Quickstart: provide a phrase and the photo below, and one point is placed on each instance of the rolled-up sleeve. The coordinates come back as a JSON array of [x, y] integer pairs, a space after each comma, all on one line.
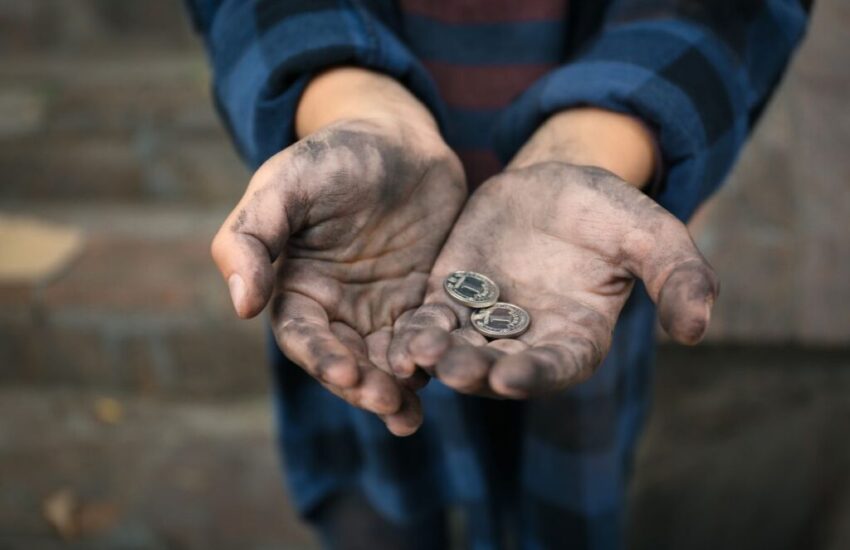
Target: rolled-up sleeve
[[263, 53], [698, 73]]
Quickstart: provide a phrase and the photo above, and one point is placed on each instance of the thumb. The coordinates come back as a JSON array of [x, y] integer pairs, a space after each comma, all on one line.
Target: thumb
[[678, 278], [250, 240]]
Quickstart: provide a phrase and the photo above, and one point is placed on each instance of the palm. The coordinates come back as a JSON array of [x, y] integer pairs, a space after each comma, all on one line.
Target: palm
[[353, 217], [368, 244], [566, 244]]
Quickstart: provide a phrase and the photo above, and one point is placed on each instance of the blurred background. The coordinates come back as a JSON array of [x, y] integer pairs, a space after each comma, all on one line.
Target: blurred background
[[134, 408]]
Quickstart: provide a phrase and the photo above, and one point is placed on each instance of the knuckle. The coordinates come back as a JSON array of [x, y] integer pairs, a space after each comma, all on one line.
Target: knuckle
[[297, 329]]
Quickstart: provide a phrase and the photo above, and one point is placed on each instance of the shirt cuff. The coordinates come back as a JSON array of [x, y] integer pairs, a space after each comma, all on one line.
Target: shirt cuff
[[675, 76], [261, 73]]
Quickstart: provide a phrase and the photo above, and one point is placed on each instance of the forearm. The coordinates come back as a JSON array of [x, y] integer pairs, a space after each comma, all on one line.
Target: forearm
[[588, 136], [356, 93]]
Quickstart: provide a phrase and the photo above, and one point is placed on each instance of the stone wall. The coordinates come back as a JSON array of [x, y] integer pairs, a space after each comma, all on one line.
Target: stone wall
[[779, 231]]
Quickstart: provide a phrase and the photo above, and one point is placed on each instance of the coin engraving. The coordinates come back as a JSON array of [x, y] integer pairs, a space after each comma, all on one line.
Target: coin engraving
[[501, 320], [472, 289]]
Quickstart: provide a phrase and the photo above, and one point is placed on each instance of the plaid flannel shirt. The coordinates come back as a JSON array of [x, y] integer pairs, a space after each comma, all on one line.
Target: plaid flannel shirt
[[554, 470]]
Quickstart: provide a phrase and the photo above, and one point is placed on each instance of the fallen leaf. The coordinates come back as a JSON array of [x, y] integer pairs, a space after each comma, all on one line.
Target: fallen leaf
[[108, 410], [33, 250], [59, 509]]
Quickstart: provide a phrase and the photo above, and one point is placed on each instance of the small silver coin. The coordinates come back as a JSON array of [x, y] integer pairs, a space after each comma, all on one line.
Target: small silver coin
[[472, 289], [501, 320]]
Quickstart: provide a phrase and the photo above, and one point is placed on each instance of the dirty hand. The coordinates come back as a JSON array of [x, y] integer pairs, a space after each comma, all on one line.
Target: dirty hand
[[566, 243], [339, 232]]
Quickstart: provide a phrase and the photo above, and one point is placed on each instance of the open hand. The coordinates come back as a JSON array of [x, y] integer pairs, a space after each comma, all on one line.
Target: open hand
[[340, 231], [566, 243]]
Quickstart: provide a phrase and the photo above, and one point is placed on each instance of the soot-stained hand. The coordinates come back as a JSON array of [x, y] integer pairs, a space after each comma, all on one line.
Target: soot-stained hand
[[567, 244], [339, 233]]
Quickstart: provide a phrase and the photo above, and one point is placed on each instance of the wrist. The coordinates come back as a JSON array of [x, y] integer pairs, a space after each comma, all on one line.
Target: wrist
[[353, 93], [588, 136]]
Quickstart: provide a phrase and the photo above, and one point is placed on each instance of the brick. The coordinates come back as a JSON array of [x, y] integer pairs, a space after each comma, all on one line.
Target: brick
[[86, 25], [22, 112], [119, 93], [76, 168], [219, 360], [165, 20], [208, 170], [133, 162], [137, 276], [235, 365], [142, 309]]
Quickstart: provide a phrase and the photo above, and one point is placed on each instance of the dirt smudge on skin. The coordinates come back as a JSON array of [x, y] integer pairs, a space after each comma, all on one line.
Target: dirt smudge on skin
[[685, 301]]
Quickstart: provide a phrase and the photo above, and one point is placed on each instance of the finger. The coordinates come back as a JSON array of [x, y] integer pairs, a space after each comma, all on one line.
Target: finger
[[377, 345], [685, 301], [408, 418], [468, 335], [428, 345], [677, 277], [251, 238], [466, 368], [434, 319], [303, 332], [544, 369], [378, 392]]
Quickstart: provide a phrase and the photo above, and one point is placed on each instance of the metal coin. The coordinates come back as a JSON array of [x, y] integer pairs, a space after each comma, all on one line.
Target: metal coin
[[472, 289], [501, 320]]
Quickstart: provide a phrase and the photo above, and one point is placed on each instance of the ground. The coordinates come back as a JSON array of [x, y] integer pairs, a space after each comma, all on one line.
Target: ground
[[746, 448]]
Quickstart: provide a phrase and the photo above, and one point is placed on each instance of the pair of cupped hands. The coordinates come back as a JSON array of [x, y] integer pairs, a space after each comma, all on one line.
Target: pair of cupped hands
[[349, 233]]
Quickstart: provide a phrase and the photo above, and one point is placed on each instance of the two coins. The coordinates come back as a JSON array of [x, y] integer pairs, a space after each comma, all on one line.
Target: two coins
[[491, 318]]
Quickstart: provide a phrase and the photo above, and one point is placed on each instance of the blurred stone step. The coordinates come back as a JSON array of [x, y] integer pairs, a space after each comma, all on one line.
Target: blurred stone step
[[89, 471], [145, 166], [746, 449], [113, 91], [92, 25], [140, 307], [136, 126]]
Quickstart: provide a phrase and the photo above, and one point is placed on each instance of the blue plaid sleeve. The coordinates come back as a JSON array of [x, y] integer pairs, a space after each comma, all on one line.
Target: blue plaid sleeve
[[698, 73], [263, 53]]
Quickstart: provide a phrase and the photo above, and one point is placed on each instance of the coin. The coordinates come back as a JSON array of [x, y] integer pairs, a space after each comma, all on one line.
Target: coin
[[501, 320], [472, 289]]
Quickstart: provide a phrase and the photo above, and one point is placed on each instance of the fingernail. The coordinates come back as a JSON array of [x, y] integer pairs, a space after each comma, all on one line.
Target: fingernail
[[237, 291]]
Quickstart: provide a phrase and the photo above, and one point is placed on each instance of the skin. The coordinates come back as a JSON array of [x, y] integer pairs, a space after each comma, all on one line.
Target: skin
[[341, 231], [566, 241], [338, 233]]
